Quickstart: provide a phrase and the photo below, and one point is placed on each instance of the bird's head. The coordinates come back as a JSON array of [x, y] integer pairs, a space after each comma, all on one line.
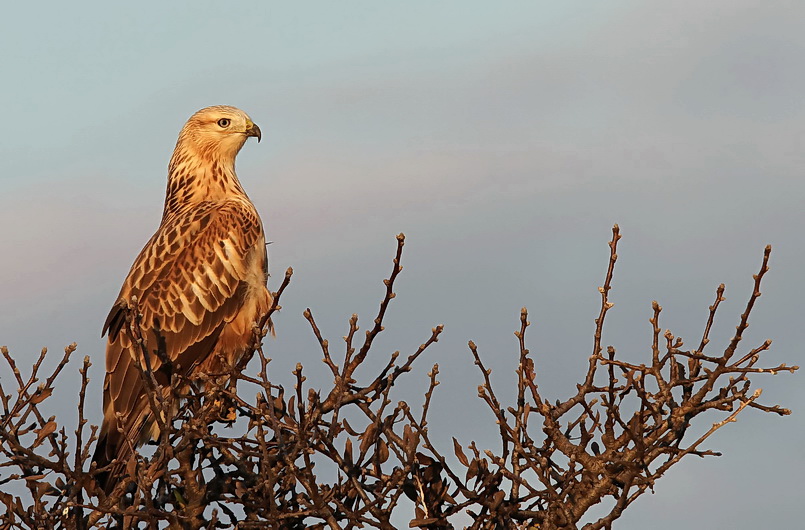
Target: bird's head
[[217, 132]]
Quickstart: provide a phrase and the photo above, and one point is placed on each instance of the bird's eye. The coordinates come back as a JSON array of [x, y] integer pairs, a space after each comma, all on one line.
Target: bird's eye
[[224, 122]]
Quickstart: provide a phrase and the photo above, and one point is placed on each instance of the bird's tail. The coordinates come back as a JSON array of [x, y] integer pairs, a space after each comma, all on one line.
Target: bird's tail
[[112, 446], [115, 447]]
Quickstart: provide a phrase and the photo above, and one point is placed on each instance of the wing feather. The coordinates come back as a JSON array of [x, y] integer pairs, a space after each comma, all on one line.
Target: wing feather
[[214, 253], [190, 280]]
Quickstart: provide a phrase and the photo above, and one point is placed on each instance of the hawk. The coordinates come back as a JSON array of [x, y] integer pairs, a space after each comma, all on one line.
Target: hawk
[[199, 284]]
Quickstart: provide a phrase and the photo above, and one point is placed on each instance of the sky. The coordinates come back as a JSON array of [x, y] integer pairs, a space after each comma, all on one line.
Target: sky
[[504, 139]]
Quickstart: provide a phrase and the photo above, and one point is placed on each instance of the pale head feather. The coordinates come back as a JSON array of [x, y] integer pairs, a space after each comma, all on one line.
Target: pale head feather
[[203, 164], [217, 132]]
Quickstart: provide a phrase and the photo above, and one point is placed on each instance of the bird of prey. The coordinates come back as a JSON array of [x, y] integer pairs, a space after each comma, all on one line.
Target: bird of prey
[[199, 284]]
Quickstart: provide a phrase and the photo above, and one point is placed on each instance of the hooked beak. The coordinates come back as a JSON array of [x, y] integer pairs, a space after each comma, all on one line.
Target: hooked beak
[[253, 130]]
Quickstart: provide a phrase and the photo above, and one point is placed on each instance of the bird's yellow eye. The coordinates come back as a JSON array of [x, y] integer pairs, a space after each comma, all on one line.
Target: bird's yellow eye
[[224, 123]]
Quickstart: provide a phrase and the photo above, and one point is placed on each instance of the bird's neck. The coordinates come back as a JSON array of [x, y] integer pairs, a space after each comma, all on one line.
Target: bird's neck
[[194, 178]]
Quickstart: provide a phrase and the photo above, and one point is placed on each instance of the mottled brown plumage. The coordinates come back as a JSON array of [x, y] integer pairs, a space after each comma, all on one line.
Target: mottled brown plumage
[[199, 282]]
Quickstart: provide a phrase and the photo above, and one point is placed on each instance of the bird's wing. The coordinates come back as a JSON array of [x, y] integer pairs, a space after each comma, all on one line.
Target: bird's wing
[[190, 280]]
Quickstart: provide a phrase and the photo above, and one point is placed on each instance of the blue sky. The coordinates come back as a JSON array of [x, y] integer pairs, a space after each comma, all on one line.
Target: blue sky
[[504, 140]]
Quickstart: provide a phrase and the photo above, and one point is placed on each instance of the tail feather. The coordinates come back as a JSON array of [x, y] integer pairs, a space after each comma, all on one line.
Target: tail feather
[[111, 447], [114, 446]]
